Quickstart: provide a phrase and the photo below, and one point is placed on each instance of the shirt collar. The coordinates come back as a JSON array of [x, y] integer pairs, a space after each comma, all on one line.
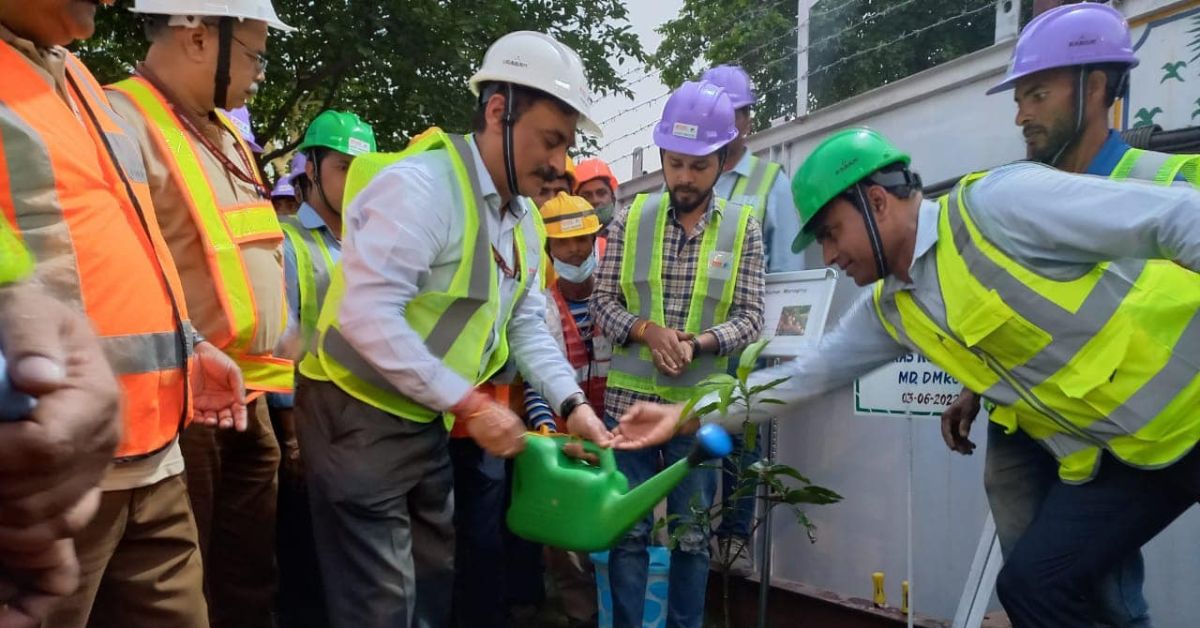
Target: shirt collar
[[1110, 154], [487, 187], [927, 230], [309, 218], [743, 165]]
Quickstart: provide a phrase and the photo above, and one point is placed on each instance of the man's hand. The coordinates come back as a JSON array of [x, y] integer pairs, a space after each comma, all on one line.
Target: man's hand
[[218, 398], [32, 582], [957, 420], [649, 424], [584, 423], [51, 462], [493, 426], [291, 465], [669, 347]]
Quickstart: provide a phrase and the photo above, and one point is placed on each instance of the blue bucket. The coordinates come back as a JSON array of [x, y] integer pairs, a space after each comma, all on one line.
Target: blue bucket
[[655, 613]]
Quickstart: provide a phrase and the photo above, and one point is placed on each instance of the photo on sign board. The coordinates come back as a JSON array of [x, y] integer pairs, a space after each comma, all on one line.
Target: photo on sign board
[[793, 320]]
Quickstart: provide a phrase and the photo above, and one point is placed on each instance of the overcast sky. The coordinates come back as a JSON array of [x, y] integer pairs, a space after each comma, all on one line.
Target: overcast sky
[[645, 17]]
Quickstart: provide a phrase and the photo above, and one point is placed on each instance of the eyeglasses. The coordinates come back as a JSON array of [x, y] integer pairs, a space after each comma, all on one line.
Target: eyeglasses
[[259, 57]]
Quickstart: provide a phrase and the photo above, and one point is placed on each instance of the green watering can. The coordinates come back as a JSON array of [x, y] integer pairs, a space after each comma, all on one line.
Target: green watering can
[[564, 502]]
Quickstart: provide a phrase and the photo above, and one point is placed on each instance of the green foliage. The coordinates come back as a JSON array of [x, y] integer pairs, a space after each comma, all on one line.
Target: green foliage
[[402, 65], [855, 45]]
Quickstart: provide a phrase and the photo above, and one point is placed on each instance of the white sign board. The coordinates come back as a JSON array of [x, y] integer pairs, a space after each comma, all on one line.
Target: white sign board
[[1165, 87], [797, 305], [911, 385]]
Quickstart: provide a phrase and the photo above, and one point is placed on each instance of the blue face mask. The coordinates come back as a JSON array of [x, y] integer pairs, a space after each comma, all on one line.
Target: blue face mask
[[576, 274]]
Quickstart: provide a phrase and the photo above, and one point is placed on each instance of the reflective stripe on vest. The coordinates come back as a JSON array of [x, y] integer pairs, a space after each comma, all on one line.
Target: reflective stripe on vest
[[72, 182], [223, 229], [15, 261], [456, 325], [1104, 361], [313, 265], [1161, 168], [641, 280], [762, 177]]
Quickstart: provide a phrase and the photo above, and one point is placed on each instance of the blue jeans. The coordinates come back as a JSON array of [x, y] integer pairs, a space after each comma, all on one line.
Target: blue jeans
[[629, 563], [1019, 475], [735, 521]]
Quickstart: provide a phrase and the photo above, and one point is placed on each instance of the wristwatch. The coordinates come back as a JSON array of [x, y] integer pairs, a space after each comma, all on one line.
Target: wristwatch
[[696, 348], [568, 406]]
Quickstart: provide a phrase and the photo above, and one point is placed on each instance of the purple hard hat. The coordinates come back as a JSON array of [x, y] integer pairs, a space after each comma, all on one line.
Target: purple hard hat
[[283, 187], [697, 120], [299, 162], [1070, 35], [240, 118], [736, 83]]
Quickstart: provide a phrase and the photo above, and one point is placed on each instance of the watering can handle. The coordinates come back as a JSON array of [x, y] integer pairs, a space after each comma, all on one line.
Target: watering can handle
[[608, 461]]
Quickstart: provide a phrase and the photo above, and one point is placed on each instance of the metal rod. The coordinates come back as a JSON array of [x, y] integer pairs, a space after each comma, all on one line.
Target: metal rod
[[764, 566]]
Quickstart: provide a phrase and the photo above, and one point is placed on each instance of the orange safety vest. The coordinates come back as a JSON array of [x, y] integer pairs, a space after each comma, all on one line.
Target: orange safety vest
[[74, 186], [223, 230]]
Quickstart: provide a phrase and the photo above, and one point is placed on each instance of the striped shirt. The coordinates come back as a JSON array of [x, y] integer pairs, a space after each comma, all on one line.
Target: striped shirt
[[681, 253], [537, 410]]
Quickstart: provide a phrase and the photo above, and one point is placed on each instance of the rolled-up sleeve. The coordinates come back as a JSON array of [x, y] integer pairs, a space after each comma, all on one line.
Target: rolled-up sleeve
[[745, 320], [392, 240]]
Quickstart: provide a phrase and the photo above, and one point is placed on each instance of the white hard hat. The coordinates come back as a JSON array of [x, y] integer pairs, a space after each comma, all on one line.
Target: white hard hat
[[260, 10], [543, 63]]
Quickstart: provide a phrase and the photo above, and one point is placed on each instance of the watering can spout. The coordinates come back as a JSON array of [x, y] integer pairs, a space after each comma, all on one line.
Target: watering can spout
[[711, 442], [562, 502]]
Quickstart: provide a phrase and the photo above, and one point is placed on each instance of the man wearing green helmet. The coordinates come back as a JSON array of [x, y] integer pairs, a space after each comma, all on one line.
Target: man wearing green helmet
[[1048, 293], [313, 244]]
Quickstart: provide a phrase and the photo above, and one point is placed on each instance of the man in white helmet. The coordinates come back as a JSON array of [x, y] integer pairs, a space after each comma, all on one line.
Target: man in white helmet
[[217, 220], [437, 289]]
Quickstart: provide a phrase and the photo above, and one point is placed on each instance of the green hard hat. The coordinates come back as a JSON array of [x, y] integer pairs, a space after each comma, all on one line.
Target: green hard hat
[[340, 131], [840, 161]]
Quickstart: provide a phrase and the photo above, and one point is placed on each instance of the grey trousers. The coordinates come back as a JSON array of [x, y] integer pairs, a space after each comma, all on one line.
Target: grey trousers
[[381, 493]]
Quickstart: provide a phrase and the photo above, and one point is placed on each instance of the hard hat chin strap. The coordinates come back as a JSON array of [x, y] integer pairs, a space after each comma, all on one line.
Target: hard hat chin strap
[[1075, 135], [224, 46], [864, 208], [508, 121]]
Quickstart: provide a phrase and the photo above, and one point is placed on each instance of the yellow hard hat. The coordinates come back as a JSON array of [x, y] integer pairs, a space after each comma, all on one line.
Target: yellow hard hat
[[424, 134], [569, 172], [569, 217]]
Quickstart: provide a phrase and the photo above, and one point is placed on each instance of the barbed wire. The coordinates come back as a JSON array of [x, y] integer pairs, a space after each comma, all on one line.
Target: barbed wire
[[987, 4]]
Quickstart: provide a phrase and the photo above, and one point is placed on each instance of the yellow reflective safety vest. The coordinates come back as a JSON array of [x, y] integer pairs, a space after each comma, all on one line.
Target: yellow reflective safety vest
[[1102, 362], [754, 190], [15, 261], [641, 281], [456, 324], [314, 263], [223, 230]]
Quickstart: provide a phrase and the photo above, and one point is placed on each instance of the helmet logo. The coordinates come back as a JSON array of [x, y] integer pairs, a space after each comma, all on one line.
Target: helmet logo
[[358, 147], [686, 131], [846, 165], [517, 63], [1082, 42]]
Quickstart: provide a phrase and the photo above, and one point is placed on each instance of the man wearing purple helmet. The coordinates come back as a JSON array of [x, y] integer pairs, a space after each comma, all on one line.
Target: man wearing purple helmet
[[679, 290], [1068, 68]]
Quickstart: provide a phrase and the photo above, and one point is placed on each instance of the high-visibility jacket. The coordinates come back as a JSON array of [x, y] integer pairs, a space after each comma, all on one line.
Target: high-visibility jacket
[[1099, 363], [457, 324], [74, 187], [314, 263], [591, 367], [223, 231], [641, 273], [754, 190]]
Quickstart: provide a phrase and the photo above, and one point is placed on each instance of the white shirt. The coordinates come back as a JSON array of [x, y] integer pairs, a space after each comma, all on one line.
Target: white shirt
[[1055, 223], [403, 236]]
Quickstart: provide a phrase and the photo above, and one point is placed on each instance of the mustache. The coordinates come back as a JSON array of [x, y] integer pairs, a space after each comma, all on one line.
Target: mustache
[[547, 173], [1032, 129]]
